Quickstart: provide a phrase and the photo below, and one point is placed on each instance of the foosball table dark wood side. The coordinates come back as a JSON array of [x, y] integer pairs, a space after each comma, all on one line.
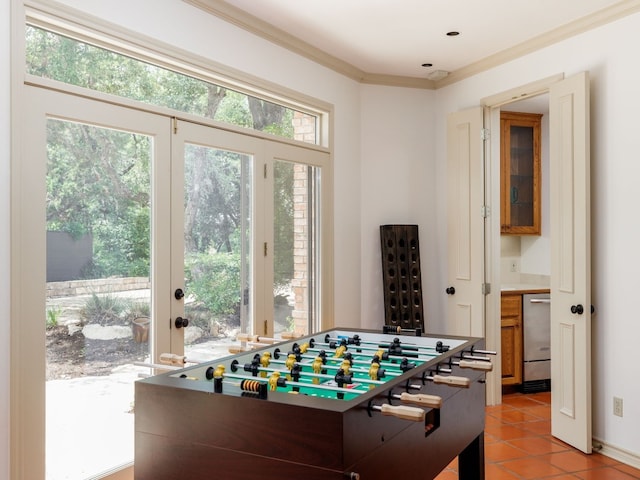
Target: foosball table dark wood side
[[184, 430]]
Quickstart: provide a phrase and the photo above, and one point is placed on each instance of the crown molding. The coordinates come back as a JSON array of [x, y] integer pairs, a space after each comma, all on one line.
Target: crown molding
[[584, 24], [275, 35], [250, 23]]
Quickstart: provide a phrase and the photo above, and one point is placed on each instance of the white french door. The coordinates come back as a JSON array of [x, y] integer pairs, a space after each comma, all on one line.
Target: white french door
[[91, 174], [167, 223], [215, 234]]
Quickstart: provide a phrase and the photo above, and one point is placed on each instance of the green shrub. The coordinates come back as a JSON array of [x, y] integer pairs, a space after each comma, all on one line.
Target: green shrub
[[105, 309], [213, 279], [53, 313]]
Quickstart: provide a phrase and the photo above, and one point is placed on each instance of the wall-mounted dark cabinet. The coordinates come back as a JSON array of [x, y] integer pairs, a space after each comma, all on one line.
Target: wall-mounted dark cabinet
[[520, 173]]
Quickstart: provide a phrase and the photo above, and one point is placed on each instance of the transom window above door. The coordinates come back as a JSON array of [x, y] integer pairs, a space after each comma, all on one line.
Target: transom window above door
[[61, 58]]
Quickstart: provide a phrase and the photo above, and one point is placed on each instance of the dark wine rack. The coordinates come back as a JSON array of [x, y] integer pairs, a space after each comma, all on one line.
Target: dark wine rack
[[401, 276]]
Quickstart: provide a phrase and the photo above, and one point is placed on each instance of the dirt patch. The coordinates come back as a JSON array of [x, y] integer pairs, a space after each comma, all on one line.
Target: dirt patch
[[74, 355]]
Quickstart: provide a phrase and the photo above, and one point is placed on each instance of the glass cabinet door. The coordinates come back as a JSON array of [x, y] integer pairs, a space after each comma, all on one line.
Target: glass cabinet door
[[520, 173]]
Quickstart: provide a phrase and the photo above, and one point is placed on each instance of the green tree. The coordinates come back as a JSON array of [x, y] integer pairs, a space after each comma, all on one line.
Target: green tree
[[98, 179]]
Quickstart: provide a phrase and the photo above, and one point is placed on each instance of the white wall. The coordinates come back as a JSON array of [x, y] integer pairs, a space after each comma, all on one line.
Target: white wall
[[4, 235], [608, 53], [396, 184]]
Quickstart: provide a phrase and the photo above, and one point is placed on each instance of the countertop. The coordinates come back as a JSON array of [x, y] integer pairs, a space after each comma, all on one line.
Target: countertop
[[520, 288]]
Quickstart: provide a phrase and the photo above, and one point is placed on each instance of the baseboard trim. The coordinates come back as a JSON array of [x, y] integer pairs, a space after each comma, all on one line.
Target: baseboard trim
[[625, 456]]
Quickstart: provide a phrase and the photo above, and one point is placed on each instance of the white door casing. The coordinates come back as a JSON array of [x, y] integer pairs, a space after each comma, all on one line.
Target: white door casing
[[570, 262], [465, 200]]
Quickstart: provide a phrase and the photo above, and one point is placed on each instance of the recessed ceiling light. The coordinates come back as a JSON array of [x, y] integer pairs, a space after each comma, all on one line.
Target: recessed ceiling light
[[453, 34], [427, 64]]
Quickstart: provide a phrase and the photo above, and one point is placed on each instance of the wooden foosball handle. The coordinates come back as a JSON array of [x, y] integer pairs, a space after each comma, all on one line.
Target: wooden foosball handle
[[476, 365], [406, 413], [172, 359], [451, 380], [238, 349], [245, 337], [431, 401]]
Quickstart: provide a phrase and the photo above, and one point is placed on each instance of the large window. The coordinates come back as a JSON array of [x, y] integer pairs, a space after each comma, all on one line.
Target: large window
[[54, 56], [152, 221]]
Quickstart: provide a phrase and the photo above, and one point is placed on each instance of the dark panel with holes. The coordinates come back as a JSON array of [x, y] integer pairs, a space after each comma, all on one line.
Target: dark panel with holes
[[401, 276]]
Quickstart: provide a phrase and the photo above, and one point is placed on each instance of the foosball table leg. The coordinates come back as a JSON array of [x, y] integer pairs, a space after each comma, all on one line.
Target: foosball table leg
[[471, 460]]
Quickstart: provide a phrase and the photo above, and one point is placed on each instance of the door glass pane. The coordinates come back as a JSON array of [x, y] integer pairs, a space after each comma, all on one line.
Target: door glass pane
[[217, 253], [98, 294], [295, 247]]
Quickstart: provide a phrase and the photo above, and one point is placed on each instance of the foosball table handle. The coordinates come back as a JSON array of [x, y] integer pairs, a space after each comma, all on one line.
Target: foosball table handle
[[402, 411], [422, 399], [172, 359], [239, 349], [451, 380], [476, 365]]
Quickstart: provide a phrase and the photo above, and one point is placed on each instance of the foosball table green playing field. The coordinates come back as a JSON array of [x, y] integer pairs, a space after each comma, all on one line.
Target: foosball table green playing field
[[354, 404]]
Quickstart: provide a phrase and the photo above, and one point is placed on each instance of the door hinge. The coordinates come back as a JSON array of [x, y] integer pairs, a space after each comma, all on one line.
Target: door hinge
[[485, 133], [485, 211], [265, 328], [486, 288], [175, 125], [265, 249], [265, 170]]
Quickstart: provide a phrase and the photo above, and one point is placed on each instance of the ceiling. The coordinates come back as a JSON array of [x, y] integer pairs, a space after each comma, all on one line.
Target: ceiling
[[387, 41]]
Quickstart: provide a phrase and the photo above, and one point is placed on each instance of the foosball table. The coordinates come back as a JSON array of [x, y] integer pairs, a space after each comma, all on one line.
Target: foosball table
[[340, 404]]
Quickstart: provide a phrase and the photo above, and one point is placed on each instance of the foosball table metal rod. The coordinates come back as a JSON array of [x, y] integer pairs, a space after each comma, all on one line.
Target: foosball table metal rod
[[398, 355], [388, 329], [439, 347], [382, 372], [348, 355], [284, 383], [482, 352], [252, 368], [158, 366]]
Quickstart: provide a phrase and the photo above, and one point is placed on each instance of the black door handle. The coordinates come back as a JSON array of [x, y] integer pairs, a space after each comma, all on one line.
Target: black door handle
[[450, 290], [577, 309], [181, 322], [179, 293]]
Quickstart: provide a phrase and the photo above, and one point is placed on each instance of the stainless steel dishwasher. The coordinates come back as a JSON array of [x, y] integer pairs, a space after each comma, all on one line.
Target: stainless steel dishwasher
[[536, 320]]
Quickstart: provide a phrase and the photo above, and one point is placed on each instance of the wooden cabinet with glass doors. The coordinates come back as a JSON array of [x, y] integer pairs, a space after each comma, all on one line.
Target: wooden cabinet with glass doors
[[520, 173]]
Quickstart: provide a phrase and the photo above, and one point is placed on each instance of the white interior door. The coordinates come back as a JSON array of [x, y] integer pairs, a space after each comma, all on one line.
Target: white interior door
[[570, 262], [465, 199]]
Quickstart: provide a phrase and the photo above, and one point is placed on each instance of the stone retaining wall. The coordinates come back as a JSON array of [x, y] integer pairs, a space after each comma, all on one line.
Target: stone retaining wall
[[100, 285]]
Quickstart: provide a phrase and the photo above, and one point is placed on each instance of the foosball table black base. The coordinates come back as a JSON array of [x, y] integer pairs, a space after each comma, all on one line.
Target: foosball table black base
[[193, 433]]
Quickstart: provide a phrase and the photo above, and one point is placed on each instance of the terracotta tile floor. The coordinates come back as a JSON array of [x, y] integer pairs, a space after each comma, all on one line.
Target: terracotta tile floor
[[518, 445]]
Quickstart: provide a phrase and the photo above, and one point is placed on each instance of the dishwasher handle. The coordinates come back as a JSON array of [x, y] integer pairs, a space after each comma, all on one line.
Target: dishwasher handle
[[540, 300]]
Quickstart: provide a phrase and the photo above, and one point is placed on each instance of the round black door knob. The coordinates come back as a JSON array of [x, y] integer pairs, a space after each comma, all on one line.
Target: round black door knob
[[450, 290], [181, 322], [179, 293], [577, 309]]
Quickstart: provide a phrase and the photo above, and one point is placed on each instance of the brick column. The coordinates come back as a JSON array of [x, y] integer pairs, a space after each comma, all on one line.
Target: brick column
[[305, 131]]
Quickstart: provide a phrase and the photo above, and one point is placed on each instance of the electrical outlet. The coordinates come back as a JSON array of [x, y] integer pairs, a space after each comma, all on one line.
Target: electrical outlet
[[617, 406], [514, 266]]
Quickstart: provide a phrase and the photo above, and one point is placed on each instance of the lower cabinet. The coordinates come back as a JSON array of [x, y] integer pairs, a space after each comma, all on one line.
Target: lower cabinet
[[511, 330]]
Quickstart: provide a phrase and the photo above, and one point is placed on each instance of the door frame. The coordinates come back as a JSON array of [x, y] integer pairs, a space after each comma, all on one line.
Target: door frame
[[492, 248], [491, 107]]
